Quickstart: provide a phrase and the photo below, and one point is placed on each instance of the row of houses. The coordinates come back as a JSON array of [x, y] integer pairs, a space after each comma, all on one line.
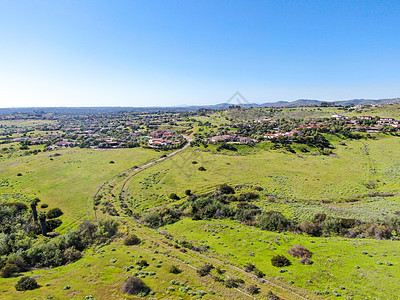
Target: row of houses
[[230, 138], [288, 134], [162, 143]]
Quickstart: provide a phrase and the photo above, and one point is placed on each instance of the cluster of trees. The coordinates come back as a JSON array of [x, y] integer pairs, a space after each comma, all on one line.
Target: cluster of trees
[[21, 249], [223, 203]]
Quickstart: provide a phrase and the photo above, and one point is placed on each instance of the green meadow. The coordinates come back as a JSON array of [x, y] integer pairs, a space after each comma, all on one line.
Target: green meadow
[[68, 181], [286, 177], [353, 268]]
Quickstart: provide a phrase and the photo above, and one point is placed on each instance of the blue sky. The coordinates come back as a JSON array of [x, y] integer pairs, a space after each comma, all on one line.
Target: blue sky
[[149, 53]]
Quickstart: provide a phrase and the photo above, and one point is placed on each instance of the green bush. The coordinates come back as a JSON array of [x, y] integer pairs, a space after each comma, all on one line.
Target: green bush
[[205, 270], [54, 213], [132, 239], [135, 286], [175, 269], [273, 221], [8, 270], [231, 283], [280, 261], [226, 189], [173, 196], [26, 283], [253, 289], [71, 254]]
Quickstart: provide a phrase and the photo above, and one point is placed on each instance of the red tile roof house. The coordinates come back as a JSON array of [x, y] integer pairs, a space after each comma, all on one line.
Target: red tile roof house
[[230, 138], [384, 121], [287, 134], [160, 142], [339, 117], [161, 133], [246, 140], [223, 138]]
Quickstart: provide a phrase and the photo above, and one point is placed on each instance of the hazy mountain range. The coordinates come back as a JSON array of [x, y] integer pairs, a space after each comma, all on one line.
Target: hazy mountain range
[[111, 109]]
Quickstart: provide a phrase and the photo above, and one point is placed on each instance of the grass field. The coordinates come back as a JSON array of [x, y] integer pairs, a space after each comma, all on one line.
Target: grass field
[[290, 177], [68, 181], [350, 267], [101, 274]]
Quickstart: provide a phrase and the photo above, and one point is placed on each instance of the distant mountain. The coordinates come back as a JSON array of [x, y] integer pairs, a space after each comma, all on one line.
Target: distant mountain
[[115, 109], [307, 102]]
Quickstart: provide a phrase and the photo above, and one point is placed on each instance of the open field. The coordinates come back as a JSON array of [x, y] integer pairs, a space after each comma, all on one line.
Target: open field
[[68, 181], [290, 177], [350, 267]]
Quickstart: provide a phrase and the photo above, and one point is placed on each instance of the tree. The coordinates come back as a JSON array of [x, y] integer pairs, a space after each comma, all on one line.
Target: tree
[[131, 239], [54, 213], [280, 261], [174, 196], [135, 286], [26, 283], [33, 203], [42, 220]]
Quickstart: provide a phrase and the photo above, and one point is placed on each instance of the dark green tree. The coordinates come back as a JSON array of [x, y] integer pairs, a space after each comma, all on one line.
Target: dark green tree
[[33, 203], [43, 226]]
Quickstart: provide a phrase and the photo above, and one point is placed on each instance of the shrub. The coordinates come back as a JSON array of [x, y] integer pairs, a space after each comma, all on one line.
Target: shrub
[[258, 273], [231, 283], [54, 213], [248, 196], [8, 270], [173, 196], [272, 296], [71, 254], [252, 289], [379, 232], [131, 239], [175, 269], [112, 162], [300, 251], [107, 229], [135, 286], [19, 262], [159, 217], [142, 263], [205, 270], [280, 261], [319, 218], [312, 229], [188, 192], [249, 267], [53, 224], [202, 169], [44, 205], [226, 189], [273, 221], [26, 283], [306, 261], [19, 174]]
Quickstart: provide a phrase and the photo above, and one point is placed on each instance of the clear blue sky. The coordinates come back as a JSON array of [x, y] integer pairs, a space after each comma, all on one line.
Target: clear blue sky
[[147, 53]]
